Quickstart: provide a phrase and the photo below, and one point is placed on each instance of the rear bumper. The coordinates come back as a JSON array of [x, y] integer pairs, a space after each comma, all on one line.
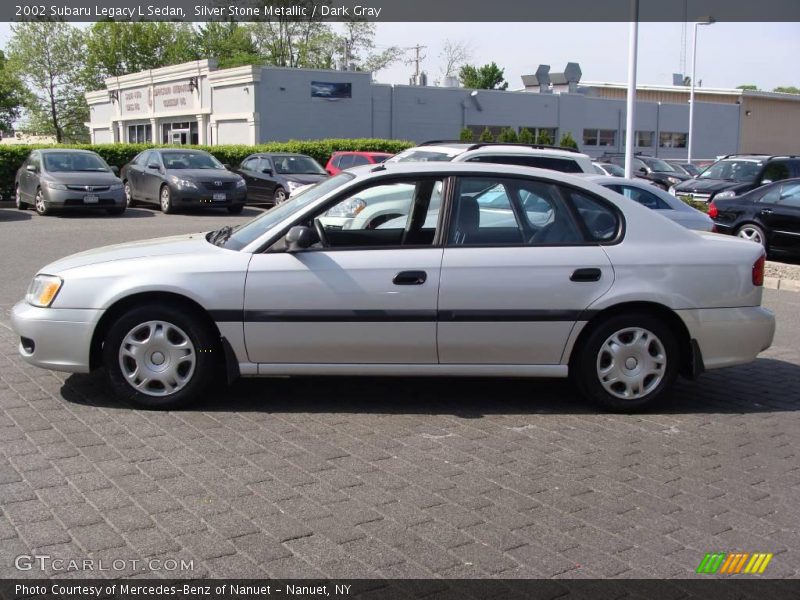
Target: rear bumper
[[729, 336], [55, 338]]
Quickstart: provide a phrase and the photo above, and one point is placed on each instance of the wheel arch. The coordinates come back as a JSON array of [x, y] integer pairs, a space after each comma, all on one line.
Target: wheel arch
[[122, 305], [690, 359]]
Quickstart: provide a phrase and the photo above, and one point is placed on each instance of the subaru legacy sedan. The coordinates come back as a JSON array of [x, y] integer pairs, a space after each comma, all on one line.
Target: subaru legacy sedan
[[555, 277], [174, 178]]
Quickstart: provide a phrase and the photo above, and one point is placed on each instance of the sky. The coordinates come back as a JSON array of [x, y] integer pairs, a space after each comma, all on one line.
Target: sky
[[728, 54]]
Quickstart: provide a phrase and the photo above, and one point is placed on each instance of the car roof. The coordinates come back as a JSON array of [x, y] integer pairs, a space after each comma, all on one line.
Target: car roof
[[181, 150], [455, 168], [269, 154], [361, 152], [457, 148], [65, 150]]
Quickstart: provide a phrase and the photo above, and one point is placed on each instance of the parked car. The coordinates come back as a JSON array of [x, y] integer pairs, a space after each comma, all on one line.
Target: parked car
[[606, 168], [273, 177], [566, 160], [660, 172], [654, 198], [60, 179], [595, 287], [688, 168], [344, 159], [737, 174], [769, 215], [175, 178]]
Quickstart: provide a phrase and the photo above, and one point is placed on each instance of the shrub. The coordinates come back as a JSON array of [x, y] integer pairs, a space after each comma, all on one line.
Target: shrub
[[466, 135], [701, 206], [12, 156], [508, 135], [544, 139], [486, 135], [526, 136], [567, 141]]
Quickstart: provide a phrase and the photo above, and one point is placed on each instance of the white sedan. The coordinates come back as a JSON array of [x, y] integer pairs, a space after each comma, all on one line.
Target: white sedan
[[491, 270]]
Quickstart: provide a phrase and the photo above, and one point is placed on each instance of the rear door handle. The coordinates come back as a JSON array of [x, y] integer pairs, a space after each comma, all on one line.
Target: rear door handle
[[586, 275], [410, 278], [766, 211]]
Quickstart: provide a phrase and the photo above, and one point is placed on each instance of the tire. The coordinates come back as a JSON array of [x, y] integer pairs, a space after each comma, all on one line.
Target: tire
[[279, 196], [165, 200], [236, 209], [129, 201], [40, 205], [116, 211], [187, 351], [752, 232], [18, 200], [645, 368]]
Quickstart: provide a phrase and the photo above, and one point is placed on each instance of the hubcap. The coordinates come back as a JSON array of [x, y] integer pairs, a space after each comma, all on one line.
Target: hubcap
[[748, 233], [631, 363], [280, 196], [157, 358]]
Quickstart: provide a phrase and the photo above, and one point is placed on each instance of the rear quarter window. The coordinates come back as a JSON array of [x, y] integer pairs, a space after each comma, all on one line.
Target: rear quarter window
[[602, 222]]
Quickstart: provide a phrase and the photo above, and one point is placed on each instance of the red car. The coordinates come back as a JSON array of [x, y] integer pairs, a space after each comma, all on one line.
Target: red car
[[339, 161]]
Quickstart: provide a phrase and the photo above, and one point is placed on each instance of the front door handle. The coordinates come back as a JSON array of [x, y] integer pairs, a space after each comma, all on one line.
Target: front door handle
[[410, 278], [766, 211], [585, 275]]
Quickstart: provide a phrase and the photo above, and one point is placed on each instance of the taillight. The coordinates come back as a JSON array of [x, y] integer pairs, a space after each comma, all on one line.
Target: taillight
[[712, 210], [758, 271], [714, 228]]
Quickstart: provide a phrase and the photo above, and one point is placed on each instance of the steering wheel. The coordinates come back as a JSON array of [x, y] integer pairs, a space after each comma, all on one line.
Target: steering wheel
[[323, 239]]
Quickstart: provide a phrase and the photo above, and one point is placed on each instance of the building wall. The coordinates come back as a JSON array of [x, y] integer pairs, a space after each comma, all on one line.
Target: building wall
[[772, 125]]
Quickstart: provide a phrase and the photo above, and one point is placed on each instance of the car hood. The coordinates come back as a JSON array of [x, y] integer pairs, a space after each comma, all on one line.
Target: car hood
[[304, 178], [84, 178], [708, 185], [674, 174], [204, 174], [193, 244]]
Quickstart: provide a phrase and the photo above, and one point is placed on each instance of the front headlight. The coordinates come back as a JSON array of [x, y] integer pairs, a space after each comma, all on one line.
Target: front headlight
[[184, 183], [293, 185], [240, 184], [43, 290], [115, 186], [55, 186], [348, 209], [725, 194], [673, 180]]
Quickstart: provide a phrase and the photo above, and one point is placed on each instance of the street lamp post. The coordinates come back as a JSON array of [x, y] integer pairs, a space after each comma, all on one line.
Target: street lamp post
[[707, 21], [630, 120]]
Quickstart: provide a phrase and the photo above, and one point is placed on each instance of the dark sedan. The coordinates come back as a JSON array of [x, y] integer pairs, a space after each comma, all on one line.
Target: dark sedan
[[174, 178], [273, 177], [769, 215], [660, 172]]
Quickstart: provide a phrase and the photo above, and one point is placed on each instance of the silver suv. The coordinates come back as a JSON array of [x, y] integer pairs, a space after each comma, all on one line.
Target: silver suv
[[554, 158]]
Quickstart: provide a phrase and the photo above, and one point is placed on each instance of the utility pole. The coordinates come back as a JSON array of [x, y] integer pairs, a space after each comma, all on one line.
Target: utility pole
[[418, 58]]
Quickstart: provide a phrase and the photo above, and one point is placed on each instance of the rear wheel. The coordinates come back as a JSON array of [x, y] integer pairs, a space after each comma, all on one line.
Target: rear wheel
[[40, 205], [627, 363], [165, 200], [160, 357], [18, 200], [752, 232]]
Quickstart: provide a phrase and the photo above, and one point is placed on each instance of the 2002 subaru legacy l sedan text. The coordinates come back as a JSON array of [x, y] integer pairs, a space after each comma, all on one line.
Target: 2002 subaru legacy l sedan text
[[555, 277]]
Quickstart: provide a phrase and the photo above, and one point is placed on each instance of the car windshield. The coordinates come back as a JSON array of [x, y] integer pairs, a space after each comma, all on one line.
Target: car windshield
[[659, 165], [297, 165], [732, 170], [63, 162], [424, 156], [250, 231], [190, 160]]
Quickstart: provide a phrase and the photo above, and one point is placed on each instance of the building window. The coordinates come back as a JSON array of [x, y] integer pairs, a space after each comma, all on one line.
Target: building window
[[599, 137], [140, 134], [672, 139], [644, 139], [327, 89]]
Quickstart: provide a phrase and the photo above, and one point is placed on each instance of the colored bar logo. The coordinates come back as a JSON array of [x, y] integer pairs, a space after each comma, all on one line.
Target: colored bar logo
[[733, 563]]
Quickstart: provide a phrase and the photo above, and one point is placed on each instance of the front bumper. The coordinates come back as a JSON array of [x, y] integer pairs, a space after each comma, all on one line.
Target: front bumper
[[67, 199], [730, 336], [61, 337], [203, 197]]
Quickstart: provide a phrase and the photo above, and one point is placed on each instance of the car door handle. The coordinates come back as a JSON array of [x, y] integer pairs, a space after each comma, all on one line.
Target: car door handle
[[586, 275], [766, 211], [410, 278]]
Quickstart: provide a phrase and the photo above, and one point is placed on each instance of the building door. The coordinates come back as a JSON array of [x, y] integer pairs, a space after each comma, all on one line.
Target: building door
[[180, 137]]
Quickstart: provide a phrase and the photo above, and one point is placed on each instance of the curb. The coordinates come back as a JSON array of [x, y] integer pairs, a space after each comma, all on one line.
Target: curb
[[783, 284]]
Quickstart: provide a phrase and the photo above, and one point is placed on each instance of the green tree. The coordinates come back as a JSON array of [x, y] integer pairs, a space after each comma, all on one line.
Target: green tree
[[787, 89], [567, 141], [487, 77], [48, 58], [466, 135], [230, 43], [544, 138], [508, 135], [526, 136], [486, 135], [12, 95], [747, 87], [114, 48]]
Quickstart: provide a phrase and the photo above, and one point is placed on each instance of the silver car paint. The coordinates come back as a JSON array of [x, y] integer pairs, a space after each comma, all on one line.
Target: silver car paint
[[706, 278]]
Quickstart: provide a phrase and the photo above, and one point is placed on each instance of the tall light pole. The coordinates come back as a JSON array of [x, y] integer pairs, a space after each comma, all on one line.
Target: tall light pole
[[706, 21], [633, 38]]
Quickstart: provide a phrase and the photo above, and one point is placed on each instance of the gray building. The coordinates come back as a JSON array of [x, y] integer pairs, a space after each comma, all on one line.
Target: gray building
[[198, 103]]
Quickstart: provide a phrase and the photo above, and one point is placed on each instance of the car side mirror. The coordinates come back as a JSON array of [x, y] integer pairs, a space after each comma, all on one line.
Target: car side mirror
[[227, 166], [299, 238], [115, 170], [154, 166], [31, 168], [642, 171]]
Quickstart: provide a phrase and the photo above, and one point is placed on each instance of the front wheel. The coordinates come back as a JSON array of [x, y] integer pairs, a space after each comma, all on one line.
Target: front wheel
[[129, 201], [40, 205], [627, 363], [160, 357], [165, 200], [279, 196]]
